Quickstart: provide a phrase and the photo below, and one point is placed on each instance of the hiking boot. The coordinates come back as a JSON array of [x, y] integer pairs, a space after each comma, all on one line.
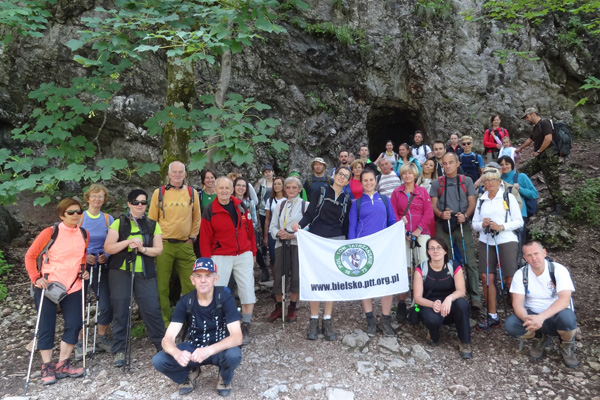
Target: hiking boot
[[431, 342], [190, 382], [371, 326], [488, 323], [246, 339], [48, 373], [264, 275], [291, 315], [103, 344], [119, 359], [79, 351], [567, 351], [385, 325], [64, 369], [536, 351], [401, 313], [464, 350], [313, 329], [223, 389], [328, 330], [276, 314]]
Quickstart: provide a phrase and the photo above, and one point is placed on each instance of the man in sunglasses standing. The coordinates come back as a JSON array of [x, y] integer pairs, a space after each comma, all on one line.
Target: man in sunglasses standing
[[177, 209]]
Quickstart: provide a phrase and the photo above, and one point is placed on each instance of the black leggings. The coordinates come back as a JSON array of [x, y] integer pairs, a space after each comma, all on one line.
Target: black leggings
[[459, 314]]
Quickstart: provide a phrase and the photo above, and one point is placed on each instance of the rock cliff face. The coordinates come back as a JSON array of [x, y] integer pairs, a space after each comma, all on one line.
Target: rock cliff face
[[405, 71]]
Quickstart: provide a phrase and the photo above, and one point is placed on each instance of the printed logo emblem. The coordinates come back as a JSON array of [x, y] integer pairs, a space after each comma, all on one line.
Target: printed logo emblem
[[354, 259]]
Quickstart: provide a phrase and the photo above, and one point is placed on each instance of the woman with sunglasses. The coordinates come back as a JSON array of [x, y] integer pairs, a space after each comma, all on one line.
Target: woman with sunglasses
[[134, 241], [328, 218], [62, 262], [497, 216], [405, 157], [439, 291]]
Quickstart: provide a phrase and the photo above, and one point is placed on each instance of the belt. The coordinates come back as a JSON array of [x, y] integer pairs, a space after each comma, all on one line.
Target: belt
[[174, 240]]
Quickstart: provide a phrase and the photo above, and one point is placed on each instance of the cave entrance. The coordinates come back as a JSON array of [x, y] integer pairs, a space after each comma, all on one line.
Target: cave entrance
[[389, 122]]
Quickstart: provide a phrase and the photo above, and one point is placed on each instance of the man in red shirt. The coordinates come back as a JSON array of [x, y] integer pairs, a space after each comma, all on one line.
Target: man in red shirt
[[227, 236]]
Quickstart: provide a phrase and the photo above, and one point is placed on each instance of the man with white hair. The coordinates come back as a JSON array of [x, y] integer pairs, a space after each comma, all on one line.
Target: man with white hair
[[176, 208]]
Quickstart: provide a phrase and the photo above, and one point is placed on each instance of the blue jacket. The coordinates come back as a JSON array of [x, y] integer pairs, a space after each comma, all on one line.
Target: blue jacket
[[373, 217], [526, 188], [400, 162]]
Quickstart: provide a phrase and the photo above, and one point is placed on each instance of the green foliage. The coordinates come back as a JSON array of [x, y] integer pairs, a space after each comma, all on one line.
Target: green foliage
[[320, 106], [237, 127], [434, 10], [5, 269], [591, 83], [139, 330], [583, 203], [23, 18], [344, 34]]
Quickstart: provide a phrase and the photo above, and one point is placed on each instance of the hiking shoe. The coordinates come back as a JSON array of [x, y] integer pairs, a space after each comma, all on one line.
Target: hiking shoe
[[328, 330], [465, 350], [119, 359], [79, 351], [291, 315], [536, 351], [276, 314], [246, 339], [223, 389], [48, 373], [401, 313], [488, 324], [567, 351], [371, 326], [103, 344], [385, 325], [313, 329], [431, 342], [190, 382], [64, 369]]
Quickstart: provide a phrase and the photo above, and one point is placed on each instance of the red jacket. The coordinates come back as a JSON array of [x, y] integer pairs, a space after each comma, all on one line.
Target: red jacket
[[488, 139], [218, 235]]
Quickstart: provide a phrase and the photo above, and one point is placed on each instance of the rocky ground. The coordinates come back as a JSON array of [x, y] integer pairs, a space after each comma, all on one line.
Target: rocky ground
[[281, 363]]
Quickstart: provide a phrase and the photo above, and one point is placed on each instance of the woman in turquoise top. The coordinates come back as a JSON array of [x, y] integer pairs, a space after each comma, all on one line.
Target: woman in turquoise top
[[405, 156], [523, 184]]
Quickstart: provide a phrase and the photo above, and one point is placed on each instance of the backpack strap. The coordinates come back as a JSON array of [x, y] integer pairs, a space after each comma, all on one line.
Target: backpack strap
[[506, 206], [161, 197], [44, 253]]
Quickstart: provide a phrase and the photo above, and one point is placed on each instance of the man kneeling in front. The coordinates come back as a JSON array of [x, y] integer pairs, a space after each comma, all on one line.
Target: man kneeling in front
[[210, 321], [541, 297]]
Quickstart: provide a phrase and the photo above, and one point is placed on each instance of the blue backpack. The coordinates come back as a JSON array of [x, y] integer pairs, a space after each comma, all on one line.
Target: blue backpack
[[470, 165]]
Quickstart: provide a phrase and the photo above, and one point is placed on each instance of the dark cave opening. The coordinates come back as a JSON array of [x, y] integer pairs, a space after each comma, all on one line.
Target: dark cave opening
[[390, 122]]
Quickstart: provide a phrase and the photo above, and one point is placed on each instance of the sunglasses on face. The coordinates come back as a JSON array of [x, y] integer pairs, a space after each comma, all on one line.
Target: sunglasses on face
[[72, 212], [138, 202], [467, 143]]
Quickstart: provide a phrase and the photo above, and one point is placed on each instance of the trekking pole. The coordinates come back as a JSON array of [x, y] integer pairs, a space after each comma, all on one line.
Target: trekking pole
[[127, 366], [283, 273], [89, 304], [35, 333], [450, 235], [97, 306], [487, 270], [501, 280], [83, 316], [462, 235]]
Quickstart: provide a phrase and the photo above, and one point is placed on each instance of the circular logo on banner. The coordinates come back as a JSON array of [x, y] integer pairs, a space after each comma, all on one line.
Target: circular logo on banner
[[354, 259]]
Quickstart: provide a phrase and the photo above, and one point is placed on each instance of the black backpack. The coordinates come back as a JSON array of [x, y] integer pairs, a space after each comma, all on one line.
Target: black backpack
[[562, 139], [190, 299]]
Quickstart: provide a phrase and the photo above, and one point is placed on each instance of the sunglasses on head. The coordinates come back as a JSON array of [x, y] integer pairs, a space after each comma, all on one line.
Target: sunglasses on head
[[72, 212], [138, 202]]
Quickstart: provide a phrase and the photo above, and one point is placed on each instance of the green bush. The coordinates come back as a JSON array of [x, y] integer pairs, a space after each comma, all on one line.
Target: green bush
[[583, 203], [5, 268]]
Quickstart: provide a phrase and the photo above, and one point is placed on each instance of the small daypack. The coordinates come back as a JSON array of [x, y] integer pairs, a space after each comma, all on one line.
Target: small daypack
[[190, 299], [530, 204], [562, 139]]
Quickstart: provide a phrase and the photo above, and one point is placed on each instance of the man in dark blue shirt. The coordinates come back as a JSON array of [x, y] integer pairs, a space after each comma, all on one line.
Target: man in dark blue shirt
[[212, 333]]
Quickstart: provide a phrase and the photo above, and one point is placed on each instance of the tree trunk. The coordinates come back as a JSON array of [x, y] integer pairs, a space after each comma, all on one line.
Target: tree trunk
[[222, 88], [181, 92]]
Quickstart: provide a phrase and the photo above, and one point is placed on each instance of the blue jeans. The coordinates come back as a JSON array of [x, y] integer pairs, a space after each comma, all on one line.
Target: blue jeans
[[564, 320], [227, 361]]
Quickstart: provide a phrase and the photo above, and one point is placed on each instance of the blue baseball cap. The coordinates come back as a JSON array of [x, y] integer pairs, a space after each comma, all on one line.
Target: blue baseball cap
[[205, 264]]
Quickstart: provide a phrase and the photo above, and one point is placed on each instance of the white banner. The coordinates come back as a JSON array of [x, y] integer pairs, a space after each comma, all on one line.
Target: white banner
[[364, 268]]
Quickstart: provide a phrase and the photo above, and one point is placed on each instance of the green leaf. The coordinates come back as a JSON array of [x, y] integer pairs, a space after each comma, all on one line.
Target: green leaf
[[146, 168], [75, 44], [41, 201]]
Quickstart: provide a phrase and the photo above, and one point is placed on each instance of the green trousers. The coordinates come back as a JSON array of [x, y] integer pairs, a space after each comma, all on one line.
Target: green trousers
[[547, 163], [181, 257]]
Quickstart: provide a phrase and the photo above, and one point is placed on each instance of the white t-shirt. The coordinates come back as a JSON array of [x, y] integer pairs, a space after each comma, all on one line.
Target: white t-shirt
[[420, 152], [542, 292]]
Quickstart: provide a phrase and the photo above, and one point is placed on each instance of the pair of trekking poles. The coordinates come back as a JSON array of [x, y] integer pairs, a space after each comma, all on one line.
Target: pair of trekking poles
[[37, 326]]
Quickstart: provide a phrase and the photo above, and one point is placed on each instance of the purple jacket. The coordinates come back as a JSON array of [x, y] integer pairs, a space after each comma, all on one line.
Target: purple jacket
[[420, 212]]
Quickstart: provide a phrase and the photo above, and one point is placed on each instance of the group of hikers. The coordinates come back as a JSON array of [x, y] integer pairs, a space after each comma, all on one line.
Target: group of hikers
[[212, 237]]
